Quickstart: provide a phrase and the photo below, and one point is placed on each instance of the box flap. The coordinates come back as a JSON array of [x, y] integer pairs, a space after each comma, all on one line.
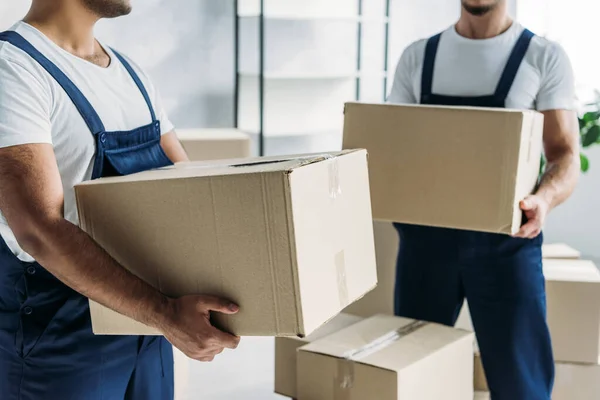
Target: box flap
[[571, 271], [199, 169], [560, 250], [458, 108], [387, 342]]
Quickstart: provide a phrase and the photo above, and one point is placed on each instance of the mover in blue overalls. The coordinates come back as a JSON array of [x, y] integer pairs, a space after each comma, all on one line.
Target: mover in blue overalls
[[500, 275], [43, 318]]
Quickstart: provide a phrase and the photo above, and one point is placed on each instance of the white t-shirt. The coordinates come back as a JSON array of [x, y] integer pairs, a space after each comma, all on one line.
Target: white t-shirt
[[467, 67], [35, 109]]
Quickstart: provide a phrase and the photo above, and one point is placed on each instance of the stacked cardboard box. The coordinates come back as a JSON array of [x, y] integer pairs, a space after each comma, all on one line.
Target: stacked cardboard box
[[388, 357], [214, 144], [288, 239], [573, 303]]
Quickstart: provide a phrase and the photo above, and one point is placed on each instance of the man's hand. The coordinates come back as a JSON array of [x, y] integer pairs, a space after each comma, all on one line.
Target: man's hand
[[189, 328], [536, 209]]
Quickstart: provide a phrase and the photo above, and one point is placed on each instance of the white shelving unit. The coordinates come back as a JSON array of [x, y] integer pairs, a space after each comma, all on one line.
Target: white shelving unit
[[298, 62]]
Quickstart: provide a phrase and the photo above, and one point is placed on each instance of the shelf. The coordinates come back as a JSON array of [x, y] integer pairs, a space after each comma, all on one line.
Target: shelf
[[314, 76], [316, 17]]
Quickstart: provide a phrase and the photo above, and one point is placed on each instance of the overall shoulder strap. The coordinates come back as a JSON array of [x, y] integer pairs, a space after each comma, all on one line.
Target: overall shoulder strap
[[84, 107], [514, 62], [428, 66], [138, 83]]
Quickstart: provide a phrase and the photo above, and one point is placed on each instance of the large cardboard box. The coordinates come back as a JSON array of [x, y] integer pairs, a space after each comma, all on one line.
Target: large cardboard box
[[381, 299], [576, 382], [288, 239], [479, 379], [214, 144], [560, 251], [455, 167], [396, 358], [573, 302], [286, 349]]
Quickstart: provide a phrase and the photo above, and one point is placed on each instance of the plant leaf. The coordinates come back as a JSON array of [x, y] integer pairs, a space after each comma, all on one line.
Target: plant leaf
[[591, 136], [591, 116], [585, 162]]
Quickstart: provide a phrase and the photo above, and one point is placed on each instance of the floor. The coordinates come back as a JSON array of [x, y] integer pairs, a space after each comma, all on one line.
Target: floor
[[246, 373]]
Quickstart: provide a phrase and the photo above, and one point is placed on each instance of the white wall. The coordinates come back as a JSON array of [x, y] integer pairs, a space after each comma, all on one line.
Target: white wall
[[185, 45], [573, 24]]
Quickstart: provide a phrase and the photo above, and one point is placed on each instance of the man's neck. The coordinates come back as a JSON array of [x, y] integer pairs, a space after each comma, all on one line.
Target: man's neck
[[492, 24], [71, 28]]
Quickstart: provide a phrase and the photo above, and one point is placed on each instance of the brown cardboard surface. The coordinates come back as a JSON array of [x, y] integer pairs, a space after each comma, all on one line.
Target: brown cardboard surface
[[389, 356], [285, 352], [479, 379], [214, 144], [576, 382], [288, 239], [381, 299], [482, 396], [573, 303], [560, 251], [457, 167]]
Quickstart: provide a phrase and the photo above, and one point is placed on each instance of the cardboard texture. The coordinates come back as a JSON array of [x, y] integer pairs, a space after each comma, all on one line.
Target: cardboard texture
[[214, 144], [288, 239], [482, 396], [456, 167], [560, 251], [381, 299], [286, 348], [573, 302], [479, 379], [393, 357], [576, 382]]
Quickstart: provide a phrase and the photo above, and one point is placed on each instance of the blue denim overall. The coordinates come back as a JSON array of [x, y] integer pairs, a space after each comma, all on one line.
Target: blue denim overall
[[47, 348], [500, 276]]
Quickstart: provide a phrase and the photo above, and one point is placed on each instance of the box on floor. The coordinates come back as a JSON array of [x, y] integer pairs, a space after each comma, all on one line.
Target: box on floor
[[456, 167], [576, 382], [396, 358], [288, 239], [286, 349], [573, 303], [214, 144]]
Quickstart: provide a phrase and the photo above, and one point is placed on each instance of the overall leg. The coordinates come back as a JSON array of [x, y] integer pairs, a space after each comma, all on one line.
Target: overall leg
[[505, 288], [428, 283], [153, 377]]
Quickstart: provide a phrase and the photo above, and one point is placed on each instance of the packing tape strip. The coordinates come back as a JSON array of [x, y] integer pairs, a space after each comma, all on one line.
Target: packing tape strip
[[335, 189], [342, 280], [344, 379]]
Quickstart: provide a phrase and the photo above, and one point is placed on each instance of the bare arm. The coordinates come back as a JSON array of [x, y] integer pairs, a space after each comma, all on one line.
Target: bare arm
[[31, 199], [561, 145], [173, 148]]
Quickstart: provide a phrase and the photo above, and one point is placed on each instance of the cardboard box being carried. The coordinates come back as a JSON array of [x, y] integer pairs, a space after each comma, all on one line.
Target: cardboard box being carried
[[286, 349], [573, 303], [455, 167], [288, 239], [214, 144], [396, 358]]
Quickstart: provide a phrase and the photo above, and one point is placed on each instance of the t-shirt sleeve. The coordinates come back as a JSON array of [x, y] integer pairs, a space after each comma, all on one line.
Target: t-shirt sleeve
[[402, 87], [557, 89], [25, 106]]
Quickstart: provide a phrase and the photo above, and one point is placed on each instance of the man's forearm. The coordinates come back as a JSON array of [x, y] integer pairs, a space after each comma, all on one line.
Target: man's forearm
[[76, 260], [559, 179]]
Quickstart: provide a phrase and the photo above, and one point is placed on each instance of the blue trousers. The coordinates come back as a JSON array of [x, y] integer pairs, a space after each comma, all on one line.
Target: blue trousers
[[48, 350], [503, 281]]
